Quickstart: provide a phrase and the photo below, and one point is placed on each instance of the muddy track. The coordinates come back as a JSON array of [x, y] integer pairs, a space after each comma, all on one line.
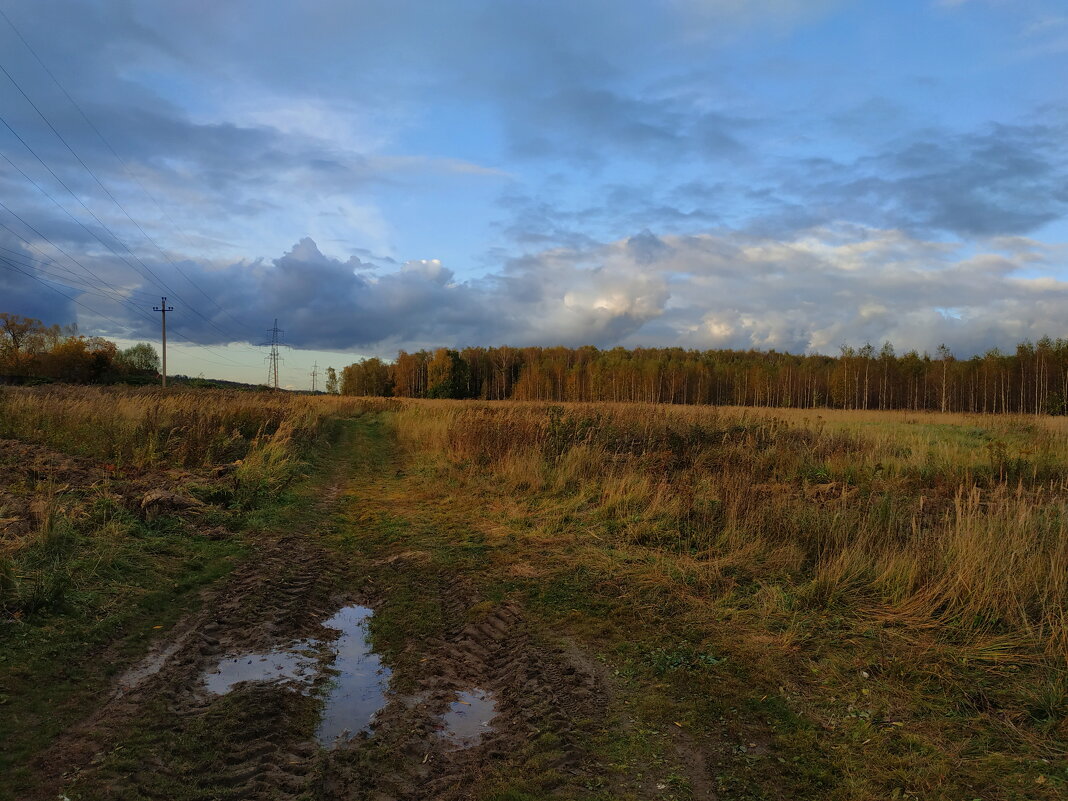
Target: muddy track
[[255, 740], [282, 591], [544, 705]]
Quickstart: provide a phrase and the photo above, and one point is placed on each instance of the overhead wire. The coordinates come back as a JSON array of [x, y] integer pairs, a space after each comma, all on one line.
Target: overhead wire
[[146, 272], [67, 277], [62, 208], [49, 285], [111, 196], [52, 282], [144, 267], [133, 306], [49, 260], [119, 159], [84, 227]]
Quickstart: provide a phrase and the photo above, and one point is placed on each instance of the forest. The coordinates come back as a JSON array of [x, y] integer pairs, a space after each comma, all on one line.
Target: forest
[[1033, 379], [32, 352]]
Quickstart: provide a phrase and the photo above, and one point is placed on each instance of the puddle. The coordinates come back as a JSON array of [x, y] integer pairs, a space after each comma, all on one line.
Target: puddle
[[468, 718], [358, 690], [358, 679], [295, 663]]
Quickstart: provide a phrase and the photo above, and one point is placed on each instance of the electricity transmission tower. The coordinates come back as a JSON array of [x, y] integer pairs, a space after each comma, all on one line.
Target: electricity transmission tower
[[315, 376], [163, 308], [272, 358]]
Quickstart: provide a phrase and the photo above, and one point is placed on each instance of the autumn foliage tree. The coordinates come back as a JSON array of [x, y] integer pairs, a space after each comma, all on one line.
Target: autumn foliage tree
[[448, 375], [367, 377], [33, 351], [1032, 380]]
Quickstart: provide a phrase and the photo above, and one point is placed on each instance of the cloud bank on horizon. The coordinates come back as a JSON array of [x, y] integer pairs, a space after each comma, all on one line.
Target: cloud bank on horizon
[[702, 173]]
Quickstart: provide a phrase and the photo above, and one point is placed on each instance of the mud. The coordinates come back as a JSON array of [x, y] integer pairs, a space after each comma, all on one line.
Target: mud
[[527, 705], [489, 700], [296, 704], [281, 594]]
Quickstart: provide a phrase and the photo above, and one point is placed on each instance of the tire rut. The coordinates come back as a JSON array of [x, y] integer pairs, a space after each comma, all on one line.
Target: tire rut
[[281, 593], [545, 704]]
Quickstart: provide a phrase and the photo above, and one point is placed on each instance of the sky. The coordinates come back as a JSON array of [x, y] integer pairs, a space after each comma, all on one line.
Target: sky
[[382, 174]]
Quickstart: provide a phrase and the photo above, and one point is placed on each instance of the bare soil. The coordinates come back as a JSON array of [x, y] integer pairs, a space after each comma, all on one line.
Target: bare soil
[[32, 476]]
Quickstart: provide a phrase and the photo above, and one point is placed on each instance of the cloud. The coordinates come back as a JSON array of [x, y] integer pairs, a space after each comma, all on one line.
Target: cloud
[[1003, 179], [585, 124], [661, 176], [826, 286], [997, 180]]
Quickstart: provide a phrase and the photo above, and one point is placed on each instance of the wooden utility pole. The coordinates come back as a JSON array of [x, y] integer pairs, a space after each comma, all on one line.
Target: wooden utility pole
[[163, 308]]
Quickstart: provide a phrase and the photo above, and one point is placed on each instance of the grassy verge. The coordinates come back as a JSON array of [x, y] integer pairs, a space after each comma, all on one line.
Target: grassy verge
[[99, 598]]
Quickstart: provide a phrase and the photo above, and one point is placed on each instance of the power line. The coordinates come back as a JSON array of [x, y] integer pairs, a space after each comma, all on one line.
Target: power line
[[79, 223], [64, 294], [76, 220], [116, 297], [49, 285], [147, 272], [81, 203], [61, 208], [107, 192], [272, 358], [118, 158], [69, 278], [82, 289], [117, 292]]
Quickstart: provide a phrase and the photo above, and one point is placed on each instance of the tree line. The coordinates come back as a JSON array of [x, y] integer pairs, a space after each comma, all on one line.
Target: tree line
[[31, 351], [1033, 379]]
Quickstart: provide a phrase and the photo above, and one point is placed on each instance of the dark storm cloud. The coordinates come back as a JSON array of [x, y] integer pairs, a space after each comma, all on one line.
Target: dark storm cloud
[[1006, 179], [20, 294], [333, 304]]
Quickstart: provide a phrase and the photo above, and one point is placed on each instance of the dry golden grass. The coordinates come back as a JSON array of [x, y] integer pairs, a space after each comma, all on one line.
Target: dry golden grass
[[950, 523], [188, 428]]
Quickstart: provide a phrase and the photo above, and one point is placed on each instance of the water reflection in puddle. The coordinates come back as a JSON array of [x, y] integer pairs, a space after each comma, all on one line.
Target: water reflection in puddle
[[358, 684], [468, 718], [295, 663], [358, 690]]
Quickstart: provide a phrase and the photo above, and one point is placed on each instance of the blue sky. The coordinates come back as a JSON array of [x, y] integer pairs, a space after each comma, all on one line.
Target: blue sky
[[790, 174]]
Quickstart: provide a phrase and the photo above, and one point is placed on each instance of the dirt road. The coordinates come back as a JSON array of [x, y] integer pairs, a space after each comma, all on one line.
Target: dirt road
[[268, 692]]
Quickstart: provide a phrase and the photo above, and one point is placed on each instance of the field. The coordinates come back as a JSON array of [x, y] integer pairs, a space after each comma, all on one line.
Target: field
[[661, 602]]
